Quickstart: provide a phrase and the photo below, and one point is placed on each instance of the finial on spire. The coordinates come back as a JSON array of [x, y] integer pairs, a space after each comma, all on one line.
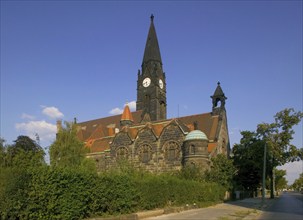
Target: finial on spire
[[218, 83], [152, 17]]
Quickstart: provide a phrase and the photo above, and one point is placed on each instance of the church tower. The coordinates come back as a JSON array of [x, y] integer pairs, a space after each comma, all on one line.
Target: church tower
[[218, 100], [151, 84]]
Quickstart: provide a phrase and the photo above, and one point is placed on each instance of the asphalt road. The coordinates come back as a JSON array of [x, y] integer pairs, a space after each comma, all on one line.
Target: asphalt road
[[288, 207], [233, 210]]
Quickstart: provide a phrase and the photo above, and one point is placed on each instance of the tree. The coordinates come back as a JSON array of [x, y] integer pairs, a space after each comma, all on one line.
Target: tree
[[246, 158], [24, 152], [280, 181], [67, 150], [298, 184], [221, 172], [2, 153], [278, 136]]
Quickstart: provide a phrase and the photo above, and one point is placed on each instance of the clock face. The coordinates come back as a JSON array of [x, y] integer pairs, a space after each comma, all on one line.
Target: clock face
[[146, 82], [161, 83]]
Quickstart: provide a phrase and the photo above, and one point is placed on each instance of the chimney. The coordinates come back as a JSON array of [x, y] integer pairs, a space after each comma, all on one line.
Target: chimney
[[59, 125], [196, 125], [111, 129]]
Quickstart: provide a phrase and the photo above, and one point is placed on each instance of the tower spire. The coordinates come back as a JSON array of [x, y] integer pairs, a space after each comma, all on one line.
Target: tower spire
[[218, 97], [152, 50], [151, 84]]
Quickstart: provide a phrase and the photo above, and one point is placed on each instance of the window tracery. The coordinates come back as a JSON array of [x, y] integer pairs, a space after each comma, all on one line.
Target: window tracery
[[122, 153], [172, 151], [145, 153]]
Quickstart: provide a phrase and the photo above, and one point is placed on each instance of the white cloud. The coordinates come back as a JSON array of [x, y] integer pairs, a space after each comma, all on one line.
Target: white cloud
[[52, 112], [45, 130], [293, 170], [27, 116], [117, 111], [131, 105]]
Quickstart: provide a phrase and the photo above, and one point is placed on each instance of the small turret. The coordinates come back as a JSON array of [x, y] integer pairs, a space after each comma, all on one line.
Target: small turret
[[126, 118], [195, 149], [218, 98]]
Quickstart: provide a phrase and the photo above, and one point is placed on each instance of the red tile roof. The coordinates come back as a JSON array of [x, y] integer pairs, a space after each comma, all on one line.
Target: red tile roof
[[100, 132], [87, 128]]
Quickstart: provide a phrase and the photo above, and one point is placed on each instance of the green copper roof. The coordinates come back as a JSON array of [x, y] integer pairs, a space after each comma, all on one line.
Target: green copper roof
[[196, 135]]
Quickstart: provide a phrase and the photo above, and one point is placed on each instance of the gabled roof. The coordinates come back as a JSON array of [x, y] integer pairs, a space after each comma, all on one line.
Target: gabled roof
[[87, 128], [98, 133], [100, 145], [206, 122], [98, 137]]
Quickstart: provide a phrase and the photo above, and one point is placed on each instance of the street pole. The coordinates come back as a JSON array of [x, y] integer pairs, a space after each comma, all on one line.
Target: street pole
[[264, 171]]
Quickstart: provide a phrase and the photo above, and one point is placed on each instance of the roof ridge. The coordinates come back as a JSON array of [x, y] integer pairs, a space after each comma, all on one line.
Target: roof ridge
[[112, 116]]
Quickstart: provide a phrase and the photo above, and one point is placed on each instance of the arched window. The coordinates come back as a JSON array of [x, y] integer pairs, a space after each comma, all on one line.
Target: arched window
[[122, 153], [192, 149], [172, 151], [145, 153]]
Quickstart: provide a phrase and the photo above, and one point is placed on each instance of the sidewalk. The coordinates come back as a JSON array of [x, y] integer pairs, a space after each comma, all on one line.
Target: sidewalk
[[247, 209]]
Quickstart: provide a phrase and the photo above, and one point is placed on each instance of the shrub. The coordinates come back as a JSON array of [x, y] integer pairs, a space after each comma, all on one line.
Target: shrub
[[66, 193], [162, 190]]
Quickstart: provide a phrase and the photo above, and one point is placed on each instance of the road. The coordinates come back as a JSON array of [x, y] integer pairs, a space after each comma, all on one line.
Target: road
[[288, 206], [233, 210]]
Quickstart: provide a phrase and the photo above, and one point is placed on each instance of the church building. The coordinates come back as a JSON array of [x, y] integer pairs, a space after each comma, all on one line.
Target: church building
[[146, 137]]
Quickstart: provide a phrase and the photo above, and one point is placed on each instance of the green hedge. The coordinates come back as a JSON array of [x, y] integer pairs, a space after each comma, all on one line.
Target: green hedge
[[46, 193], [163, 190], [53, 193]]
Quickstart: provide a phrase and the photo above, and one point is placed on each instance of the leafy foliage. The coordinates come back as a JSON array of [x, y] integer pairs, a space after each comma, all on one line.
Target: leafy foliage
[[298, 184], [2, 153], [159, 191], [25, 152], [68, 193], [222, 171], [67, 150], [191, 173], [280, 181], [247, 158], [277, 136]]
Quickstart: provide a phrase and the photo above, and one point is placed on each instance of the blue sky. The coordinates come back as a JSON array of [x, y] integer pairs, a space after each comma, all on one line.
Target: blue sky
[[66, 59]]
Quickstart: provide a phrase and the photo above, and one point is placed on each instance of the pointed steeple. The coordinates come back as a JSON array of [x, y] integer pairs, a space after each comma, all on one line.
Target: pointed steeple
[[152, 50], [151, 83], [217, 97], [218, 92], [127, 117]]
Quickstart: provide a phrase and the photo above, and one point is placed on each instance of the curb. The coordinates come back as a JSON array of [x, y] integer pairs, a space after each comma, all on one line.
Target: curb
[[151, 213]]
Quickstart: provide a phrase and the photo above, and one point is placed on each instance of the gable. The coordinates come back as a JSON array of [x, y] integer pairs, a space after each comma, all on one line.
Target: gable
[[146, 134], [107, 124], [121, 138], [206, 122], [172, 131]]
